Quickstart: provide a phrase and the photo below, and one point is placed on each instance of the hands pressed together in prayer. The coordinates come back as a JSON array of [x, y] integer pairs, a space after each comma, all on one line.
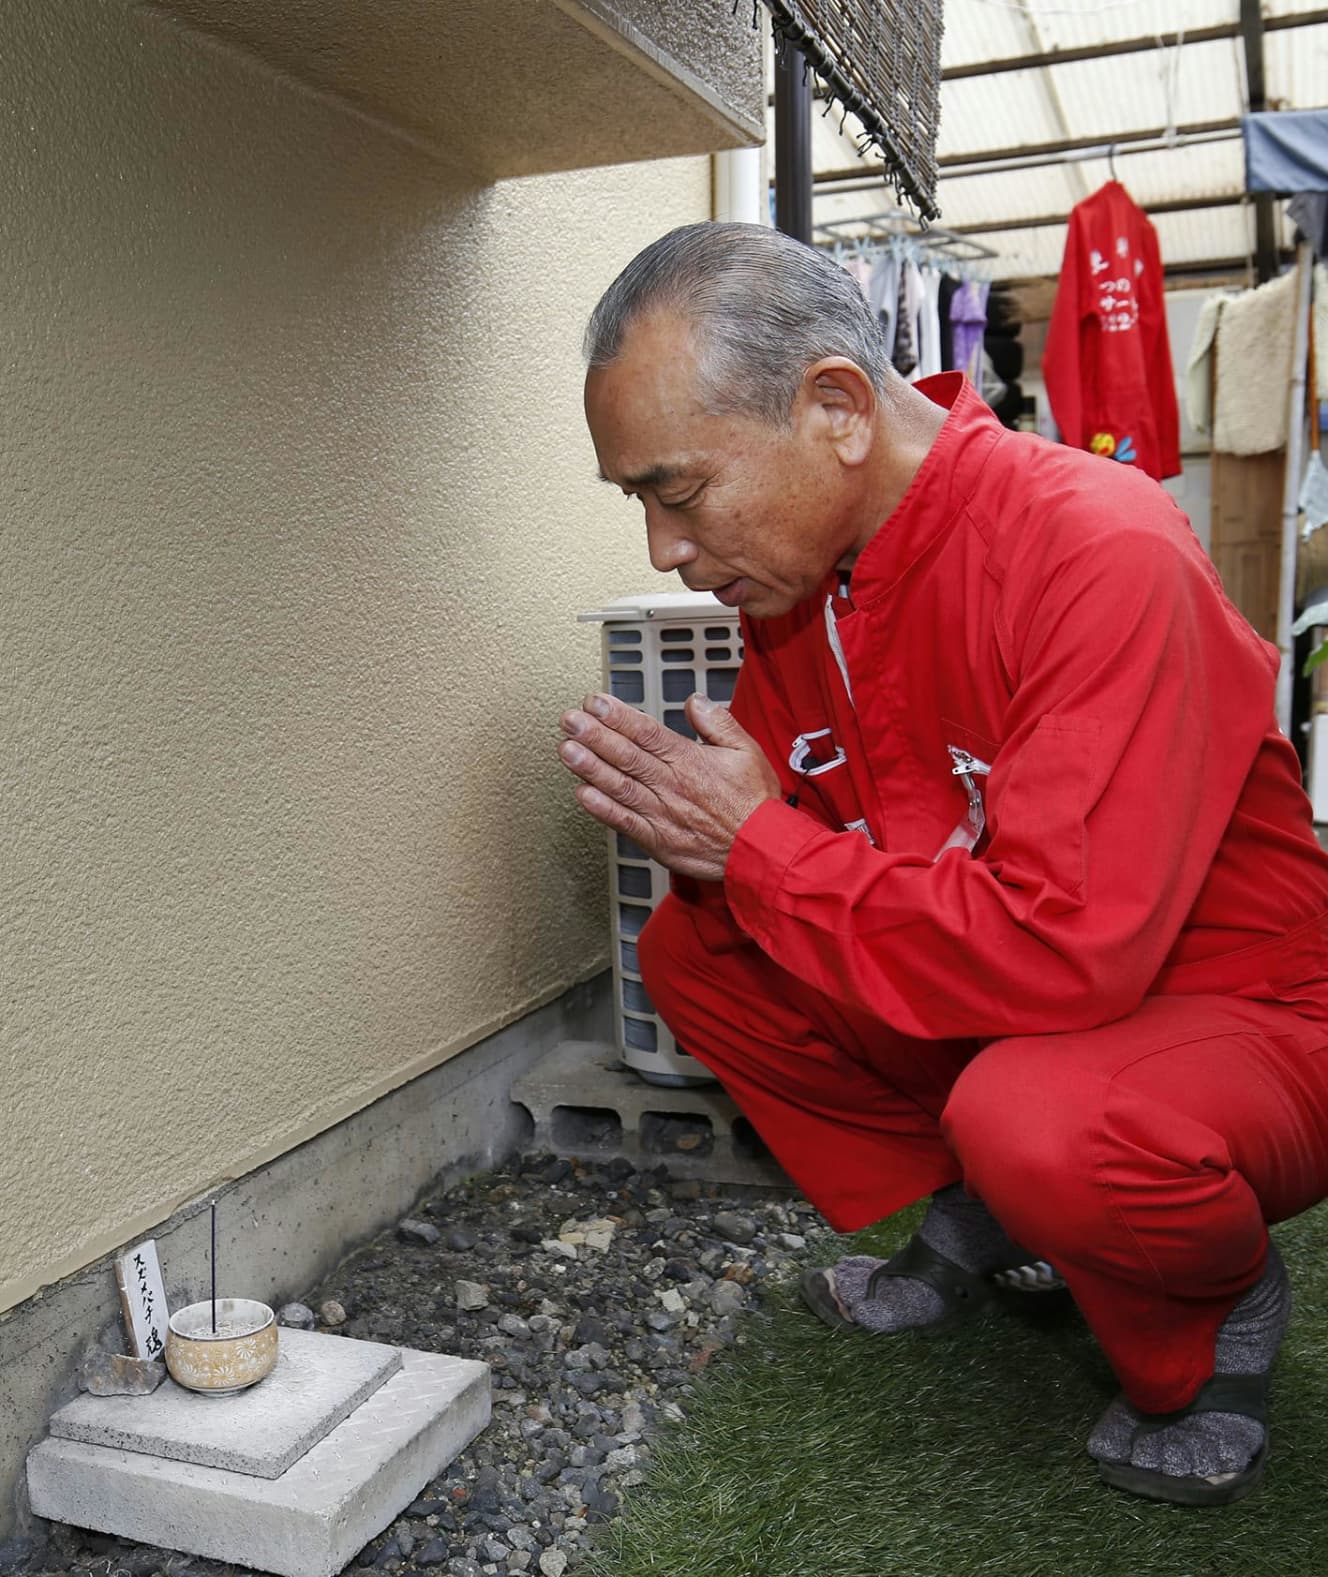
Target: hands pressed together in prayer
[[681, 800]]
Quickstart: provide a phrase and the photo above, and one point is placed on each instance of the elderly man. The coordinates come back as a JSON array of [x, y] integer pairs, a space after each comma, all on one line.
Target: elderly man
[[998, 882]]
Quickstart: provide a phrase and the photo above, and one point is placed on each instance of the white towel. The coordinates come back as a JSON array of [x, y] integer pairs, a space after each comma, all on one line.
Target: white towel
[[1255, 343]]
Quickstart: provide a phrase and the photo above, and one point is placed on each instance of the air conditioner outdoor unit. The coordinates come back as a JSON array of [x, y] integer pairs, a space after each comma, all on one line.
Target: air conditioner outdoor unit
[[657, 650]]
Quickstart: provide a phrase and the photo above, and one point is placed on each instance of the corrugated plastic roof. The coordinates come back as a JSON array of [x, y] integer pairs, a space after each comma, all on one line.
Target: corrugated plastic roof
[[1196, 83]]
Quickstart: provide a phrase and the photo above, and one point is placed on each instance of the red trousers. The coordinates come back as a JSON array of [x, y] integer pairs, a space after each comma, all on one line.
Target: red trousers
[[1143, 1158]]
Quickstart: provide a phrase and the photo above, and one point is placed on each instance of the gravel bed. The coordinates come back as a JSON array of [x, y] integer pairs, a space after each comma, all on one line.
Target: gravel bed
[[597, 1293]]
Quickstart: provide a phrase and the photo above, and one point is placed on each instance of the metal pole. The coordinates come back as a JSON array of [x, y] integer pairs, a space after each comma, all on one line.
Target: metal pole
[[1265, 215], [1286, 586], [793, 144], [1129, 46]]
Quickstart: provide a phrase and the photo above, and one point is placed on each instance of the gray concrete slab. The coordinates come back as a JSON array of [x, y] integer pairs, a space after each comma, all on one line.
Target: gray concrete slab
[[312, 1520], [316, 1382], [587, 1103]]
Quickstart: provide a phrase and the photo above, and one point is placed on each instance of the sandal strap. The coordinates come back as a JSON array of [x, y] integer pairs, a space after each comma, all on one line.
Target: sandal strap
[[1245, 1394], [958, 1288]]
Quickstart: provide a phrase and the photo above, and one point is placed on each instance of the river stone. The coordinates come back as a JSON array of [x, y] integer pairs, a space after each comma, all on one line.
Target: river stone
[[411, 1231], [112, 1374], [471, 1295], [727, 1297], [736, 1228]]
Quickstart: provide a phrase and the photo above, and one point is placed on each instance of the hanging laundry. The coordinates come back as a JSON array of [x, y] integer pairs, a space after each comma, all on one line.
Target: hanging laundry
[[861, 270], [968, 321], [883, 295], [1314, 496], [1107, 362], [944, 300], [1199, 365], [1005, 315], [929, 326], [1003, 348], [1286, 151], [907, 329], [1308, 211], [1255, 346], [993, 388]]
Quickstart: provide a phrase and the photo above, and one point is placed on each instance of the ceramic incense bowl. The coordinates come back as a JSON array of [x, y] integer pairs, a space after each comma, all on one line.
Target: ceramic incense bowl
[[237, 1355]]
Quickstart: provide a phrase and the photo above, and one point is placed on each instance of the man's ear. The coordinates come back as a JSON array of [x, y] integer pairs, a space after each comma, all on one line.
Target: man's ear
[[840, 402]]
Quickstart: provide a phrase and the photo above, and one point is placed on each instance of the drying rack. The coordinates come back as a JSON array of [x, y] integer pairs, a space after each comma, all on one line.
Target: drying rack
[[897, 227]]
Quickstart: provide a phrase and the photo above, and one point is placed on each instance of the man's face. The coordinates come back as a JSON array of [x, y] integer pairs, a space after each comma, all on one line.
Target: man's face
[[748, 511]]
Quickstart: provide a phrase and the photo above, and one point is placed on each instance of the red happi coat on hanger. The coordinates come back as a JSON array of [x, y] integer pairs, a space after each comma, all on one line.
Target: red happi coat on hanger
[[1107, 362]]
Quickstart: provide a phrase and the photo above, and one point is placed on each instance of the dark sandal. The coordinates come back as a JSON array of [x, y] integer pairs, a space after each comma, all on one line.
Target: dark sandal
[[818, 1293], [963, 1292], [1246, 1394]]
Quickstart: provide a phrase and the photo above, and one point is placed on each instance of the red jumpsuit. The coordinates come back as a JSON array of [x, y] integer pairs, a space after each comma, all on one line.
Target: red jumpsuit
[[1107, 362], [1043, 908]]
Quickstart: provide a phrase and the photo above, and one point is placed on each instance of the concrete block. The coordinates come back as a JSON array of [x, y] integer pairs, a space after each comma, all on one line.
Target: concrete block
[[312, 1520], [317, 1381], [572, 1090]]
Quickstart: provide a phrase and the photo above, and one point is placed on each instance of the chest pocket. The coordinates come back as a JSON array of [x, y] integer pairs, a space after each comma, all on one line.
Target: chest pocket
[[970, 759]]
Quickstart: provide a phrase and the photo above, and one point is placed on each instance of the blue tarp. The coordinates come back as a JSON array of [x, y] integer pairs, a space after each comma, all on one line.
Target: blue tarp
[[1286, 151]]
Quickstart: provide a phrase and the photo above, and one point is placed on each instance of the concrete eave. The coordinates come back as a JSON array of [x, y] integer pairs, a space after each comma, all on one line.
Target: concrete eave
[[505, 88]]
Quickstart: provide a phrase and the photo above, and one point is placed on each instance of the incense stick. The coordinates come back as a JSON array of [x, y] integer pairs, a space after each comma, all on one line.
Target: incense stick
[[214, 1267]]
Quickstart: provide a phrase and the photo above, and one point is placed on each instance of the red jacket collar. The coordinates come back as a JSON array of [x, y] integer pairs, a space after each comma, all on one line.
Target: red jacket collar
[[944, 483]]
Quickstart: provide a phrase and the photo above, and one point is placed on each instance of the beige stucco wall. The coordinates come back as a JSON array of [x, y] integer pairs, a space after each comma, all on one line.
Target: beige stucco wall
[[296, 512]]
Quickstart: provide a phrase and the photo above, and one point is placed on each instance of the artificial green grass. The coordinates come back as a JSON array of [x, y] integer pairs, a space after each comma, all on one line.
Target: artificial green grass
[[808, 1453]]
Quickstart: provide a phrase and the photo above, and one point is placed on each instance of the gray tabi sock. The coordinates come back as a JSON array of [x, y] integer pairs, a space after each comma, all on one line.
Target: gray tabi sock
[[962, 1229], [1208, 1444]]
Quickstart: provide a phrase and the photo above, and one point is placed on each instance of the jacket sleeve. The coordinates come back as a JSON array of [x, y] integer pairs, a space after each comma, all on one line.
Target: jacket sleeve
[[1140, 702], [1062, 367], [1160, 369], [760, 706]]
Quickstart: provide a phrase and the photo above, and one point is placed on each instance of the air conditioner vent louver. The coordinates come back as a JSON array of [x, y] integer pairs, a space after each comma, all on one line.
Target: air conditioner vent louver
[[656, 652]]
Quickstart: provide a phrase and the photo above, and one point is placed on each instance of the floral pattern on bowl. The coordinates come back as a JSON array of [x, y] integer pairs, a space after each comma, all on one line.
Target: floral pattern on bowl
[[243, 1351]]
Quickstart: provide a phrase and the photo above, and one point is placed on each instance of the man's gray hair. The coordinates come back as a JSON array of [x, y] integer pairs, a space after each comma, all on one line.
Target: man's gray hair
[[765, 308]]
